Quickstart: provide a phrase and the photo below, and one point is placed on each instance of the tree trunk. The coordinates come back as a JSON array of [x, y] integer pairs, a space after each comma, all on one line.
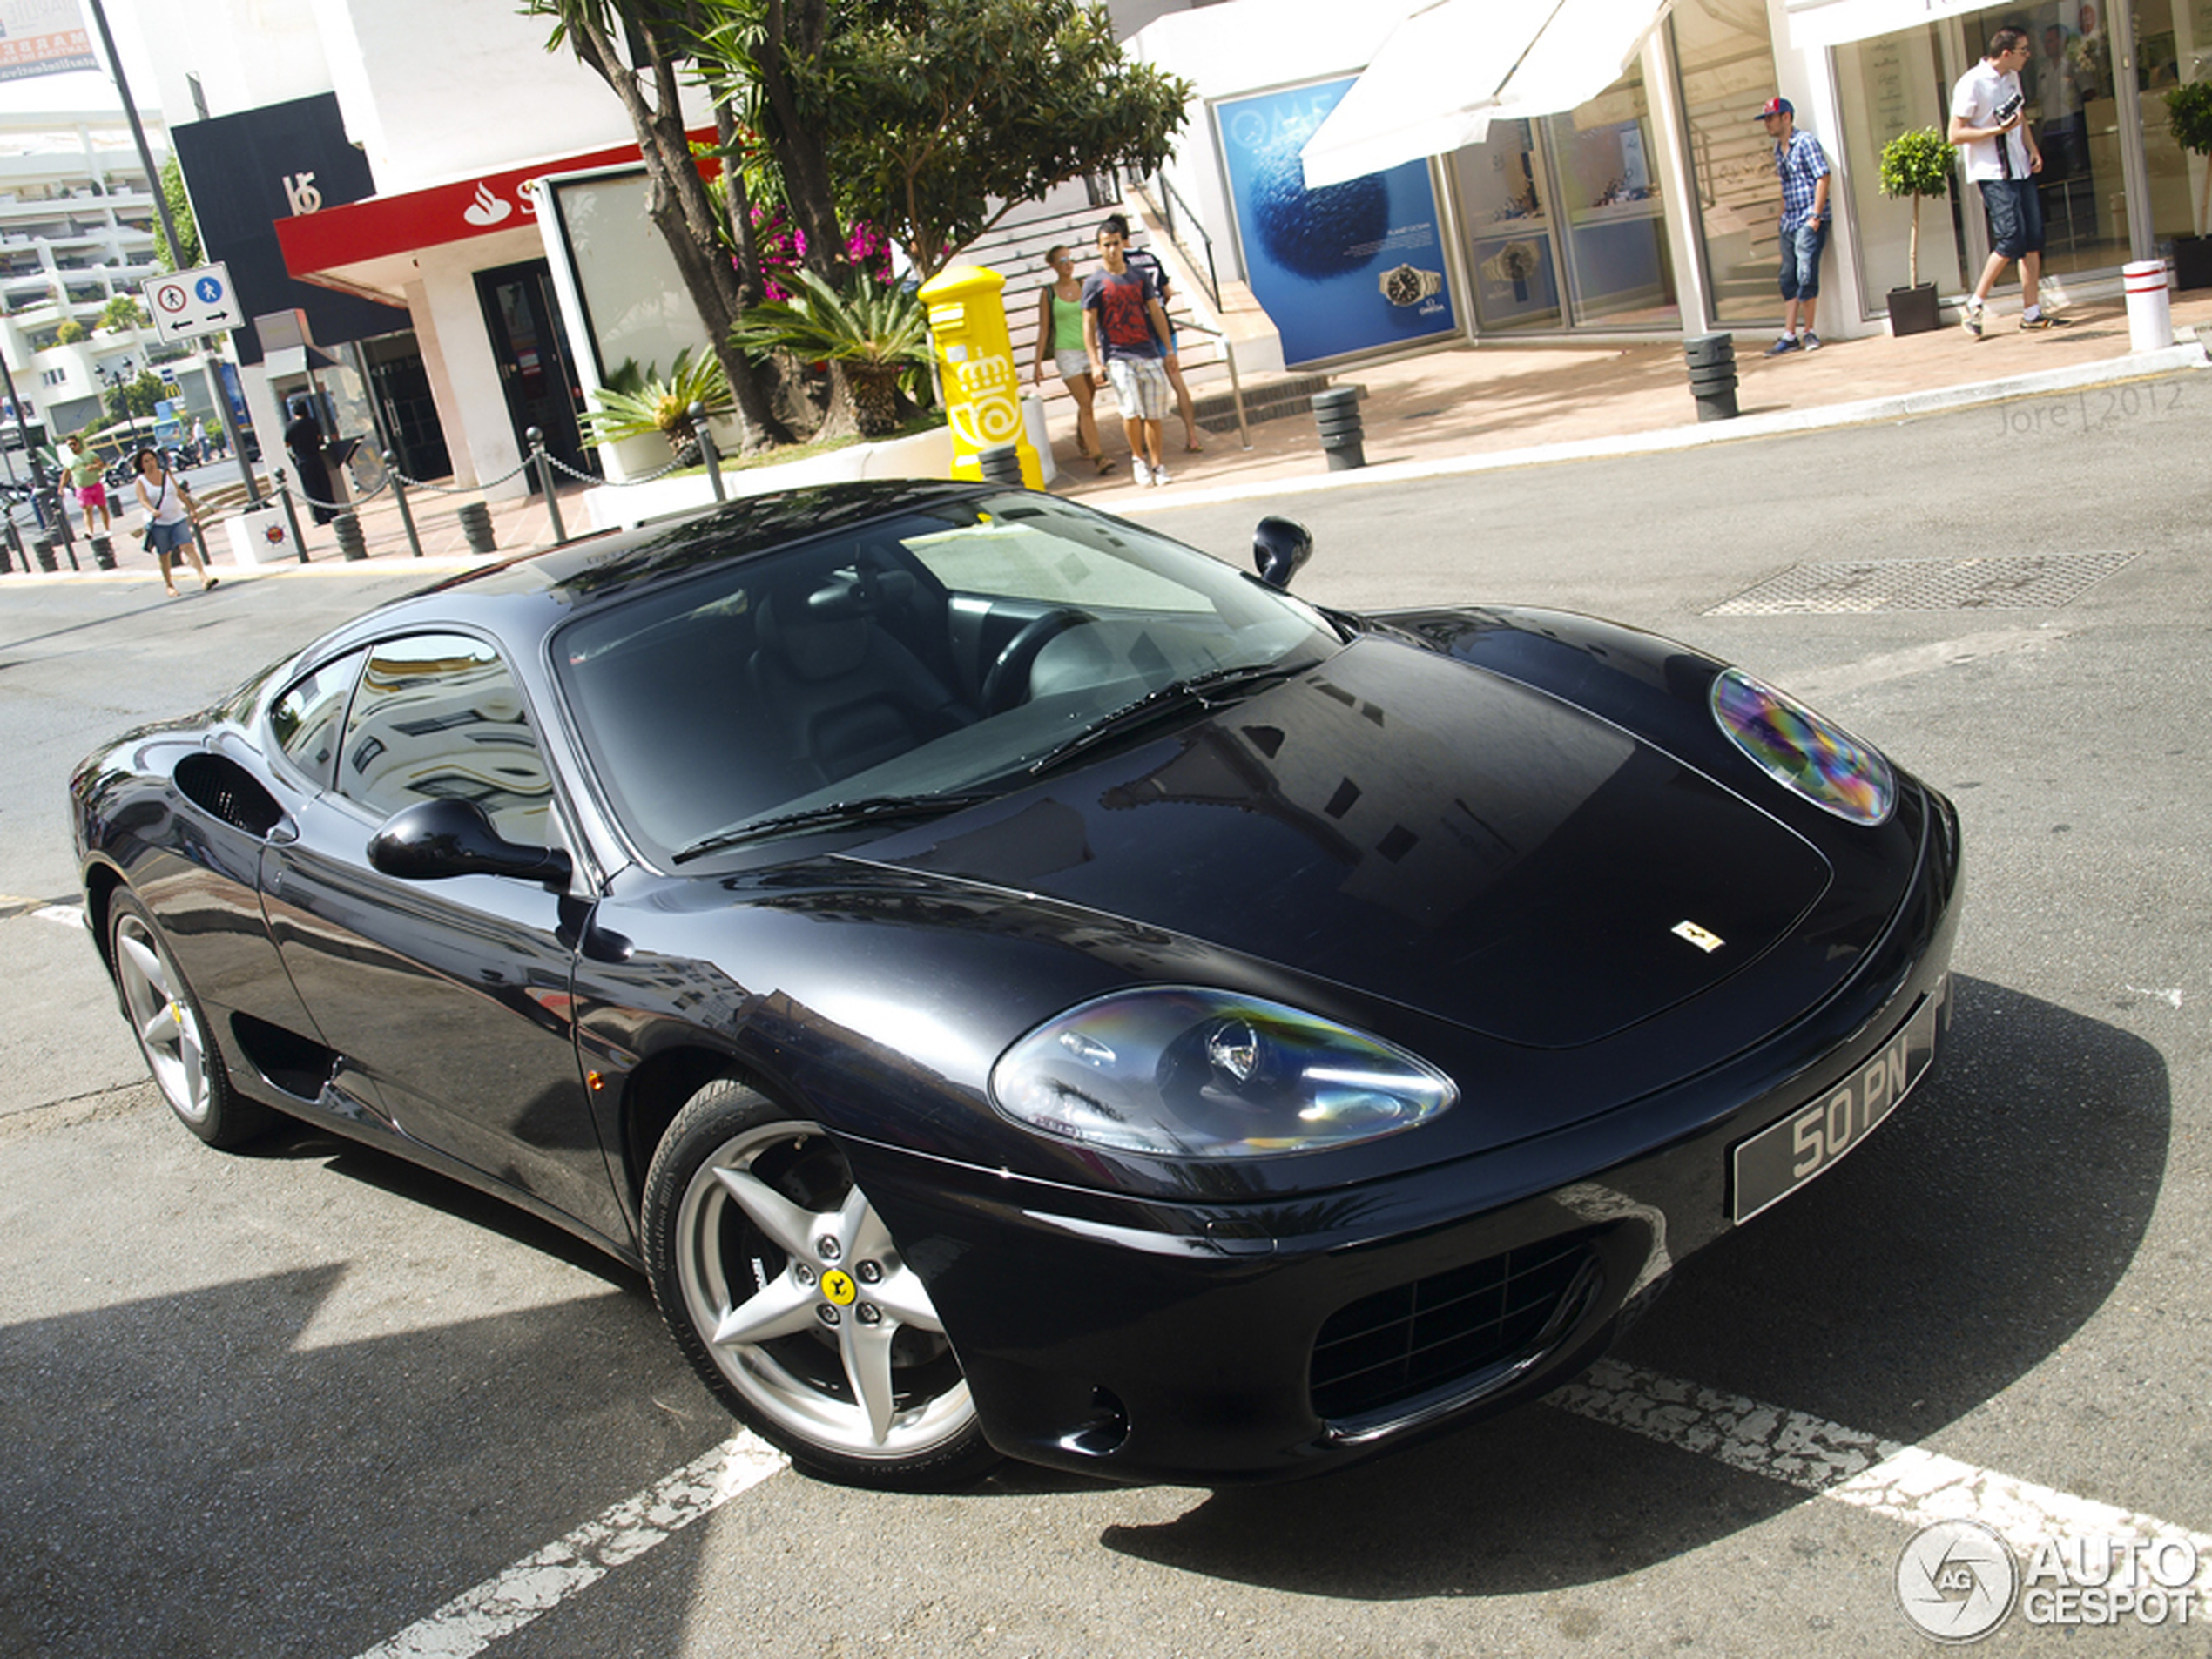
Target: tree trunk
[[677, 201], [801, 24]]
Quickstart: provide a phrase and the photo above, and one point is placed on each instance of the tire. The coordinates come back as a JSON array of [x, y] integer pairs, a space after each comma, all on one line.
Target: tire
[[787, 1294], [172, 1031]]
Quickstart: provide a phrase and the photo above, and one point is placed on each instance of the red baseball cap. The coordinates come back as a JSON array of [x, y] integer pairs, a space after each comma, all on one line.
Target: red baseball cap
[[1776, 106]]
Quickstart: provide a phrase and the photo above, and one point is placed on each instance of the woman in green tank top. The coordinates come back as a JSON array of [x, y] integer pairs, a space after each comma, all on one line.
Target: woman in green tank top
[[1059, 336]]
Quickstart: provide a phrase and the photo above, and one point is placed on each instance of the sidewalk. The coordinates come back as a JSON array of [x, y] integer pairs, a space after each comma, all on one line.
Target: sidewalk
[[1476, 405], [1452, 410]]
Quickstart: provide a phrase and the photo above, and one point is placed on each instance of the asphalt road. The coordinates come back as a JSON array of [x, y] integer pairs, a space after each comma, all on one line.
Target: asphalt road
[[298, 1402]]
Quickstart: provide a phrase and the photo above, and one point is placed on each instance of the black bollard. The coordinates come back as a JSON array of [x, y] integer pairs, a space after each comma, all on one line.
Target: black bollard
[[1712, 374], [476, 524], [103, 552], [1000, 464], [1336, 414], [352, 543]]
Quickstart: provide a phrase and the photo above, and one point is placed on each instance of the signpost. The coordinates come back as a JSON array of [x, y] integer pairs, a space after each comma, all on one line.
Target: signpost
[[186, 305]]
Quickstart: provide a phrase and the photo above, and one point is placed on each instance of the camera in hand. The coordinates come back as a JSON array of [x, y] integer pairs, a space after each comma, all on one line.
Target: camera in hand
[[2008, 109]]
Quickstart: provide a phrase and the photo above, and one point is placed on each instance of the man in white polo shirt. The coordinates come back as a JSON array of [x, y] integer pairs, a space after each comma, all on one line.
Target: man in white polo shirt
[[1988, 123]]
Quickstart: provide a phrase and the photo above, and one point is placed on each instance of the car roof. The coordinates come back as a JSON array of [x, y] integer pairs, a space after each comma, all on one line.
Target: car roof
[[577, 573]]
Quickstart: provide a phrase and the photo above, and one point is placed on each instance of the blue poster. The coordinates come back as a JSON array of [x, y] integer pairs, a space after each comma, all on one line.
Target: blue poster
[[1346, 268]]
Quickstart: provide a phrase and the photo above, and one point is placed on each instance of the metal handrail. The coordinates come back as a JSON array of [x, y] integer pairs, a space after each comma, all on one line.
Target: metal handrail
[[1168, 201]]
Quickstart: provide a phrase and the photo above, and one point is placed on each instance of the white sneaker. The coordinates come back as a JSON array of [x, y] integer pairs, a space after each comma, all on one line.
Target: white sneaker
[[1159, 474], [1141, 470]]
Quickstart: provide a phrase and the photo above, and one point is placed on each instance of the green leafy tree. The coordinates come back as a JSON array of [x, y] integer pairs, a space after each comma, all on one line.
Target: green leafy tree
[[70, 333], [180, 214], [134, 399], [934, 119], [640, 48]]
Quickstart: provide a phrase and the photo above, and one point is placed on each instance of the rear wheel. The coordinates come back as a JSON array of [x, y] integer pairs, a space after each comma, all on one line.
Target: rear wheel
[[166, 1017], [784, 1289]]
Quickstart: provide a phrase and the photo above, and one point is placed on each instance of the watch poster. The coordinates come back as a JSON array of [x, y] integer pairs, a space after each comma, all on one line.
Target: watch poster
[[1349, 267]]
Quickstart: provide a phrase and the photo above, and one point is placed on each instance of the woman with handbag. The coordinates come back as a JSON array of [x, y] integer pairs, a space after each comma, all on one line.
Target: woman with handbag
[[169, 517]]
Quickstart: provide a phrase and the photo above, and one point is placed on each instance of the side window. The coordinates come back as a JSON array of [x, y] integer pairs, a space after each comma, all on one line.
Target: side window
[[438, 716], [304, 720]]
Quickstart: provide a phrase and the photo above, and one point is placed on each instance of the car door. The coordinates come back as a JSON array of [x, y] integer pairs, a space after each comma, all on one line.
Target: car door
[[451, 996]]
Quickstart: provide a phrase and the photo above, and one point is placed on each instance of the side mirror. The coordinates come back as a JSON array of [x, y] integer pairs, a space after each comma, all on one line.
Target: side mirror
[[434, 839], [1280, 549]]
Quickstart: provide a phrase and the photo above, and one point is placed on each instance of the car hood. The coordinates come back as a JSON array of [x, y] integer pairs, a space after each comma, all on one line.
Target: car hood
[[1418, 830]]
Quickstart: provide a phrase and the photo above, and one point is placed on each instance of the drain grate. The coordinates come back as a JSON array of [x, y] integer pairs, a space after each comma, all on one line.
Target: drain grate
[[2017, 582]]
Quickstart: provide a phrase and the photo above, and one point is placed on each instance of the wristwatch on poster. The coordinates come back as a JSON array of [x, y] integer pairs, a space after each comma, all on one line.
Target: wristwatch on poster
[[1403, 286]]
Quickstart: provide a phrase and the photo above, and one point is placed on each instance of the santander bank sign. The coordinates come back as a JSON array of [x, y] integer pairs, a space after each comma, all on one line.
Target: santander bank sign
[[359, 232]]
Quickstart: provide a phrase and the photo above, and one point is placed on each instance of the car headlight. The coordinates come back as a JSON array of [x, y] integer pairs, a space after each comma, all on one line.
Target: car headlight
[[1176, 1071], [1807, 752]]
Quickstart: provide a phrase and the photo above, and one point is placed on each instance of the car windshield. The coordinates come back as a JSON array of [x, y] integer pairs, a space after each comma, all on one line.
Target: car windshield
[[925, 658]]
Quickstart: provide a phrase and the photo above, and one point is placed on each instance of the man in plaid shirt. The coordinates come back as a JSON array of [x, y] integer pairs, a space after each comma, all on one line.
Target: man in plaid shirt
[[1804, 167]]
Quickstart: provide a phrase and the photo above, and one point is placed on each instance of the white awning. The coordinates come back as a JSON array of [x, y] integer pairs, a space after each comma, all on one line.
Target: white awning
[[1456, 65], [1838, 22]]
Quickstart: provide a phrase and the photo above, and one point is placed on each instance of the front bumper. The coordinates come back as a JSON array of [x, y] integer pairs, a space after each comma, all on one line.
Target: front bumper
[[1201, 1343]]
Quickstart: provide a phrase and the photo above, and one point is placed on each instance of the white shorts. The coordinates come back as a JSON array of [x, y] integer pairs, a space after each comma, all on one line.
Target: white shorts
[[1141, 383], [1073, 364]]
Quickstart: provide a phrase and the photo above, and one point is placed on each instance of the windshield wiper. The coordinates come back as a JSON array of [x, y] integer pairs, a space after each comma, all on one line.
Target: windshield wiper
[[866, 809], [1203, 689]]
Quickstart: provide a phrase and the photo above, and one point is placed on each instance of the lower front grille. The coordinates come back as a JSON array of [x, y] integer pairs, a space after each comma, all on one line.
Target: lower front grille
[[1402, 1343]]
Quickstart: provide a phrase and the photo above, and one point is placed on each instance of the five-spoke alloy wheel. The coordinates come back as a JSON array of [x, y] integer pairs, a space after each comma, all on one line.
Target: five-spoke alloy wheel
[[172, 1033], [784, 1289]]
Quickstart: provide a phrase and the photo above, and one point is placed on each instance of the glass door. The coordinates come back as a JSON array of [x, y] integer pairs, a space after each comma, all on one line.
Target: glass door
[[542, 387]]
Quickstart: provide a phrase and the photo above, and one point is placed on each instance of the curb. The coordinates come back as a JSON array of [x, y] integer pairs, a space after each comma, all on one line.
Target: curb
[[2110, 371]]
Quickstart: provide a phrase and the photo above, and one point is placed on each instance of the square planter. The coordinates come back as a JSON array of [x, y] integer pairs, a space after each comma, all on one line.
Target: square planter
[[2193, 262], [1914, 311]]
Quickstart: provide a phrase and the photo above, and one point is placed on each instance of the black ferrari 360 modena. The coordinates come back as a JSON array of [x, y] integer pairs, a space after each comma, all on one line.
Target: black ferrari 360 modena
[[1018, 985]]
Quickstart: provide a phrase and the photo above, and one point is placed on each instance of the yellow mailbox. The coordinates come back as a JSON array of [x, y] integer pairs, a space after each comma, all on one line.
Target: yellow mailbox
[[976, 365]]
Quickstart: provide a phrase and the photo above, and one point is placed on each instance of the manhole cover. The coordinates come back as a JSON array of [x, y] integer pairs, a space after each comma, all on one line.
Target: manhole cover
[[2017, 582]]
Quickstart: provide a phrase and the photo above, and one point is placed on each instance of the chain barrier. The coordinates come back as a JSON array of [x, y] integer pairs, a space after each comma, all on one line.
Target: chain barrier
[[561, 466], [516, 471]]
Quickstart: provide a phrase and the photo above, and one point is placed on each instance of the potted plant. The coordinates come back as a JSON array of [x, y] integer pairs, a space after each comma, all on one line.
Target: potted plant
[[873, 336], [633, 404], [2189, 118], [1916, 163]]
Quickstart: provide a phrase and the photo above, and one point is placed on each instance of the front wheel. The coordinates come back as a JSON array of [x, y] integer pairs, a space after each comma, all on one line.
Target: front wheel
[[784, 1290]]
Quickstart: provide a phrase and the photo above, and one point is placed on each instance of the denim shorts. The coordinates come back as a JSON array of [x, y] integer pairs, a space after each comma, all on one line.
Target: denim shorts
[[2015, 216], [1801, 251], [169, 539]]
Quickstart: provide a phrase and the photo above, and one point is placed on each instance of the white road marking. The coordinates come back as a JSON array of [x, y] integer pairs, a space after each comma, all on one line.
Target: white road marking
[[70, 915], [504, 1603], [1905, 1483], [1847, 677]]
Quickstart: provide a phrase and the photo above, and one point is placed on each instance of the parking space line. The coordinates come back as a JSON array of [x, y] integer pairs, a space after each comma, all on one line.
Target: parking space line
[[1906, 1483], [504, 1603]]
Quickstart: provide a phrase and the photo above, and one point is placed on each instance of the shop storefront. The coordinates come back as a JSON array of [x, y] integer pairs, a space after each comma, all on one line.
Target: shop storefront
[[1650, 208]]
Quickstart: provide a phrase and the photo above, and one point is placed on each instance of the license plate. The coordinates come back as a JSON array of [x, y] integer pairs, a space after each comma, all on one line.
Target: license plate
[[1779, 1159]]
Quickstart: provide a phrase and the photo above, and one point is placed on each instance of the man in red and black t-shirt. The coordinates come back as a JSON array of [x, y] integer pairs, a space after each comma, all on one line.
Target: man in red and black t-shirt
[[1125, 330]]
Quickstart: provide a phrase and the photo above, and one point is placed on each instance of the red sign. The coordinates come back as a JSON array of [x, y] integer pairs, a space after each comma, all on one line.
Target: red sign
[[418, 218]]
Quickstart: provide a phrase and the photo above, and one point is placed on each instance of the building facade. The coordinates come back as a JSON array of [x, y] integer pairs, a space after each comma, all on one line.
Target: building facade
[[77, 231], [1650, 208]]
